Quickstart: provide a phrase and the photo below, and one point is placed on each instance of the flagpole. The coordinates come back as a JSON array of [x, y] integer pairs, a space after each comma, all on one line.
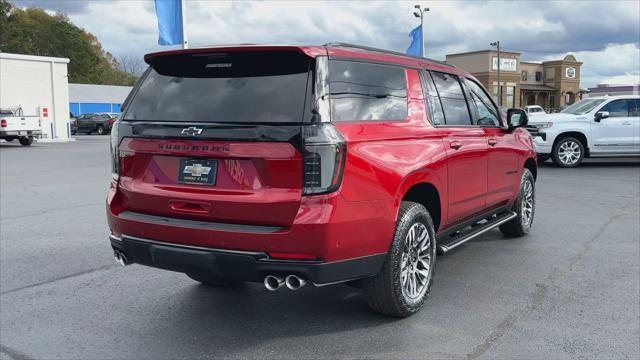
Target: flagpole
[[422, 33], [421, 13], [185, 40]]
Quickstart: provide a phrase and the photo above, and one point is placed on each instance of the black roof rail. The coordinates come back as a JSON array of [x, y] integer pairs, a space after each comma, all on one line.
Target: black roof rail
[[369, 48]]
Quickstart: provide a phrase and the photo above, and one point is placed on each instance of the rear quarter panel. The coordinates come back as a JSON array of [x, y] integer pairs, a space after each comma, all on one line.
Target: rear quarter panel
[[384, 160]]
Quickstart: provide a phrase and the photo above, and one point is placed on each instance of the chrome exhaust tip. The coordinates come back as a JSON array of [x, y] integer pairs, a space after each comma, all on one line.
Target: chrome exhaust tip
[[272, 282], [294, 282], [120, 257]]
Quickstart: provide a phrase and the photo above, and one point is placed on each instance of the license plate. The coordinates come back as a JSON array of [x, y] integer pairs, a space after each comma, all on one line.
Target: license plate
[[22, 133], [199, 172]]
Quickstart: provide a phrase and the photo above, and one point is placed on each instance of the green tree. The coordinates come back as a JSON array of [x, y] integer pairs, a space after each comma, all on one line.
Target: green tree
[[34, 32]]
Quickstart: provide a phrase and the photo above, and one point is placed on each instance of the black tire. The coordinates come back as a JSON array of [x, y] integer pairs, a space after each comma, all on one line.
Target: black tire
[[73, 132], [100, 130], [543, 157], [26, 141], [574, 150], [9, 139], [385, 292], [521, 224], [210, 280]]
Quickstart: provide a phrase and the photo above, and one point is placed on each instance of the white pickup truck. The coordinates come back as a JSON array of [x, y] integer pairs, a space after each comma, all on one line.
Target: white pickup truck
[[14, 125], [593, 127]]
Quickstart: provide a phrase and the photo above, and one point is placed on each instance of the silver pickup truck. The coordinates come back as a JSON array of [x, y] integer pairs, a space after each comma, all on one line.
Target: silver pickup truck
[[14, 125]]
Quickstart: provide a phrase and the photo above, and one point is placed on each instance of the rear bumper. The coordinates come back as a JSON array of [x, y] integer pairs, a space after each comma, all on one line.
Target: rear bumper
[[18, 133], [241, 265]]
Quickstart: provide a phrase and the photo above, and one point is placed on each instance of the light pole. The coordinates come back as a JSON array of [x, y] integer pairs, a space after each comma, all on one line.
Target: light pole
[[420, 14], [497, 45]]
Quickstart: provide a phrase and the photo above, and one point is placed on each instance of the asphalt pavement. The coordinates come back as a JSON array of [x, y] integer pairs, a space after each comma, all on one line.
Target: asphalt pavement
[[570, 289]]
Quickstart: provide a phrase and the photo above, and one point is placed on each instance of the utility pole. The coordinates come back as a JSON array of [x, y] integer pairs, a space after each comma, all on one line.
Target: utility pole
[[497, 45], [420, 14]]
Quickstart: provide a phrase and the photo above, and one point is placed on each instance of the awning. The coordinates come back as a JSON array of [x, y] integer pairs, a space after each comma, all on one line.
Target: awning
[[536, 87]]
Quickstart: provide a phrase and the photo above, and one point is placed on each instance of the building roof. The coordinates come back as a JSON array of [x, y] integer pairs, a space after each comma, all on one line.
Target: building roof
[[614, 88], [536, 87], [484, 51], [90, 93], [33, 58]]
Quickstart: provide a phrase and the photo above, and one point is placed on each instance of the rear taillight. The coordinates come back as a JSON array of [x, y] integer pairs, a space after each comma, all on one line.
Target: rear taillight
[[3, 123], [110, 121], [115, 158], [324, 157]]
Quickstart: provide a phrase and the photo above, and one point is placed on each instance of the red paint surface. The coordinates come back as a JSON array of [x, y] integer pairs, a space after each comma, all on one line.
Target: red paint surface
[[260, 183]]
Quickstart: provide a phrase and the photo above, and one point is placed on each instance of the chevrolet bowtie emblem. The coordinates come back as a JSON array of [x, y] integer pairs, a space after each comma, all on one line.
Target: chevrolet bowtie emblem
[[191, 131], [197, 170]]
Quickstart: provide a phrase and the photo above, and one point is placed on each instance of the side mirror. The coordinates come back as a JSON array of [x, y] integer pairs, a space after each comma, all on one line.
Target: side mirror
[[601, 115], [516, 118]]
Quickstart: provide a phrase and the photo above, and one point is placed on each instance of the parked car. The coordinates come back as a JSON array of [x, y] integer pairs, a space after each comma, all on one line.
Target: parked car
[[99, 123], [15, 125], [593, 127], [73, 123], [533, 110], [295, 165]]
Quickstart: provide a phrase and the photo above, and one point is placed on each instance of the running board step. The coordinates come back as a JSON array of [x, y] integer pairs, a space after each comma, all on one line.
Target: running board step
[[475, 230]]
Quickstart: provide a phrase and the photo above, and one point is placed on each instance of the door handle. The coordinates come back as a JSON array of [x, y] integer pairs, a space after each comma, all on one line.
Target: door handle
[[492, 142], [626, 123], [455, 144]]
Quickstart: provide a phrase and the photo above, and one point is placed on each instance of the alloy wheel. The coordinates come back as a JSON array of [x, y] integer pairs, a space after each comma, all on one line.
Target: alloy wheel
[[569, 152], [526, 210], [416, 261]]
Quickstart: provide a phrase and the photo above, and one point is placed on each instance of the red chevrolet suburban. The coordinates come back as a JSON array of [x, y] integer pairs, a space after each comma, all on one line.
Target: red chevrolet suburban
[[295, 165]]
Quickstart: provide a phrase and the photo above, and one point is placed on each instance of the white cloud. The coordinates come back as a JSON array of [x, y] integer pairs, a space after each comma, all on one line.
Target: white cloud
[[539, 29], [626, 79], [615, 64]]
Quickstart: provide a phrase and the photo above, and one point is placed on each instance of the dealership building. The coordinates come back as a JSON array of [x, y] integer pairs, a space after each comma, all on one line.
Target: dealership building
[[614, 90], [550, 84], [90, 98], [38, 85]]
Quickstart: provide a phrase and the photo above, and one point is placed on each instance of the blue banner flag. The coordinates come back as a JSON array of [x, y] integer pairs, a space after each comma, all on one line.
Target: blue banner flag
[[416, 42], [169, 13]]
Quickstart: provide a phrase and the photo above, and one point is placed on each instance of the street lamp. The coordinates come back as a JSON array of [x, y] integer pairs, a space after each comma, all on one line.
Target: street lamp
[[420, 14], [497, 45]]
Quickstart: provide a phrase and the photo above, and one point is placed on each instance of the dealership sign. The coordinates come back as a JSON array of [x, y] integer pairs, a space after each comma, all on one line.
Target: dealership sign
[[506, 64]]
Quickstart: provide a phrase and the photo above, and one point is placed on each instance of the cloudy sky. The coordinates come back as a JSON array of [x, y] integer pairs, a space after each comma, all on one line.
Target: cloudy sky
[[605, 35]]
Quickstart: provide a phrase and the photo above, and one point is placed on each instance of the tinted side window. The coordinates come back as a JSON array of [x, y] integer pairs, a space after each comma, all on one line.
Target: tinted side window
[[436, 116], [453, 101], [617, 108], [486, 113], [636, 109], [363, 91]]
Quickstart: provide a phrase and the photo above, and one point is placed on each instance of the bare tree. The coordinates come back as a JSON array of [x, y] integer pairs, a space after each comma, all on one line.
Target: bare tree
[[132, 65]]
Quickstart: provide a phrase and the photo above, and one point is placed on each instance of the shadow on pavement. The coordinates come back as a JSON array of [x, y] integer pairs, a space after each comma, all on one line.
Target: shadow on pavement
[[230, 319]]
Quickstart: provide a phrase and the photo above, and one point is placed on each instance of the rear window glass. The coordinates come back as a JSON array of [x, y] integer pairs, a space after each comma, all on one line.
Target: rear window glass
[[433, 101], [363, 91], [452, 97], [243, 87]]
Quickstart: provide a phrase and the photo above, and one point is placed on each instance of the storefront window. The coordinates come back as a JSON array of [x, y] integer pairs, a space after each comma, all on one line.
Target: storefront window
[[510, 91]]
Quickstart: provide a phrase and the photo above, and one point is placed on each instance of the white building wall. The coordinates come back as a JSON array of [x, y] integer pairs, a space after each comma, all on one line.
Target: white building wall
[[36, 82]]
